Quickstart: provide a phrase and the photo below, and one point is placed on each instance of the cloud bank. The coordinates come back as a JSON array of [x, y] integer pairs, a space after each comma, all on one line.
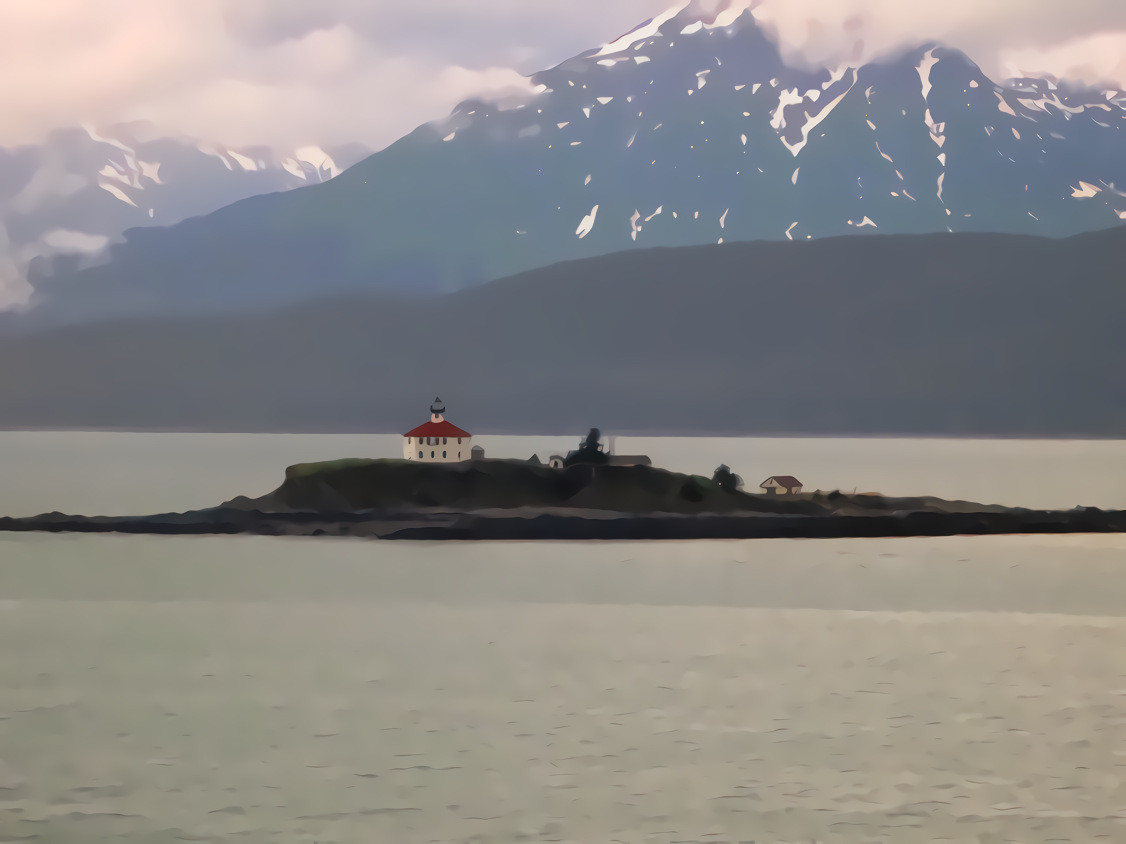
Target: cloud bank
[[237, 72], [1006, 37], [293, 72]]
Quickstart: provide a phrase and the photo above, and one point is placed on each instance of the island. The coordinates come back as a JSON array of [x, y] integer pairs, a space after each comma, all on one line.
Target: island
[[494, 499]]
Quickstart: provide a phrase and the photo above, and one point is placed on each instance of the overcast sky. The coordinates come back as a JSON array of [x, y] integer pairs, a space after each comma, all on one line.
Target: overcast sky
[[292, 72]]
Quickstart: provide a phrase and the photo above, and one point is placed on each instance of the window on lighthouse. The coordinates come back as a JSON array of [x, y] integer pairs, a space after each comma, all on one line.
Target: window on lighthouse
[[431, 454], [420, 455], [443, 455]]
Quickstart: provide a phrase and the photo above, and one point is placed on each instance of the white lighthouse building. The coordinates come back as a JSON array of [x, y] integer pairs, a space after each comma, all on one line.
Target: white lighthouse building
[[437, 441]]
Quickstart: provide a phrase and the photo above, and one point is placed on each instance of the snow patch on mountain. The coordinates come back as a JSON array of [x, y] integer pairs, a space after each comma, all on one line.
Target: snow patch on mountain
[[95, 135], [243, 161], [812, 121], [835, 76], [786, 97], [324, 164], [117, 192], [586, 225], [641, 33], [928, 62], [1003, 106], [150, 170]]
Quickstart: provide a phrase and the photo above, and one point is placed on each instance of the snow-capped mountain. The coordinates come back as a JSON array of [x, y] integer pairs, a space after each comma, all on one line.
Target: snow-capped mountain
[[82, 188], [687, 130]]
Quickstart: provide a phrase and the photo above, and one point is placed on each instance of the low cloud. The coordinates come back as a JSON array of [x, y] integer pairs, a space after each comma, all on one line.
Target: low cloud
[[1098, 59], [292, 72], [278, 72], [14, 287], [1081, 39]]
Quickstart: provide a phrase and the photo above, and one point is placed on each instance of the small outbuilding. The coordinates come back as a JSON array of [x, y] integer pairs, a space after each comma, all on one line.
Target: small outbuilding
[[781, 485], [591, 450]]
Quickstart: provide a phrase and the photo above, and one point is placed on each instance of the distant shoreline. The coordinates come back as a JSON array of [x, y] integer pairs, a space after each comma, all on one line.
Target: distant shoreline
[[603, 525], [627, 434]]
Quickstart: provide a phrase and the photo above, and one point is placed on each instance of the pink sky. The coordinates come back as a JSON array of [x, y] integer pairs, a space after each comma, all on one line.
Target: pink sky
[[293, 72]]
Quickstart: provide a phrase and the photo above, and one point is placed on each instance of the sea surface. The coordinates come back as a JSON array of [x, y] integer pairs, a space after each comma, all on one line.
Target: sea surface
[[261, 689]]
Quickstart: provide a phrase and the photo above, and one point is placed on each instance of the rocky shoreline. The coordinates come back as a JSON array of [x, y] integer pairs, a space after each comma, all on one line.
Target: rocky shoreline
[[518, 500], [601, 525]]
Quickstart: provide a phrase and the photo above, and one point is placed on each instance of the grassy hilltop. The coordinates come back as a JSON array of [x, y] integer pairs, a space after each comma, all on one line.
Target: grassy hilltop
[[356, 485]]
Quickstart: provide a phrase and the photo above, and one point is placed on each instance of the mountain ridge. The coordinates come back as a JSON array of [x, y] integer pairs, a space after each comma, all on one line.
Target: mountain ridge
[[690, 134]]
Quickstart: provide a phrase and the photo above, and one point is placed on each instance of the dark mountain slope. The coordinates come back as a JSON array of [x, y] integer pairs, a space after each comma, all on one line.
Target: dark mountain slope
[[950, 334]]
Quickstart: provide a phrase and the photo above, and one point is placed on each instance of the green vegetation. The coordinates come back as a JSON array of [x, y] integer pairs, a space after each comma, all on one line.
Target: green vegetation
[[359, 485], [301, 470]]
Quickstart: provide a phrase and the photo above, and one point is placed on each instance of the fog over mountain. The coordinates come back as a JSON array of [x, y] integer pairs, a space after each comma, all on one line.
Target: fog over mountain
[[82, 188], [690, 129]]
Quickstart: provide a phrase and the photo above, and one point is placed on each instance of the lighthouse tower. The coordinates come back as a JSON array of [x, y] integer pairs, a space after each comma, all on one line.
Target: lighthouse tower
[[437, 441]]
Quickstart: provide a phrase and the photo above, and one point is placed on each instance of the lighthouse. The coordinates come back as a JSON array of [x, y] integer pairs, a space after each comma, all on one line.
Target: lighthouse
[[437, 441]]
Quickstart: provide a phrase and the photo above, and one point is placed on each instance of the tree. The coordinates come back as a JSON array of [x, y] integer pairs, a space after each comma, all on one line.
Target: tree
[[589, 450], [726, 480]]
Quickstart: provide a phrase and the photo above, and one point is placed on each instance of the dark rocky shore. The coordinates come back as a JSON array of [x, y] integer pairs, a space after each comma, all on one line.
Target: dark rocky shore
[[602, 525], [508, 499]]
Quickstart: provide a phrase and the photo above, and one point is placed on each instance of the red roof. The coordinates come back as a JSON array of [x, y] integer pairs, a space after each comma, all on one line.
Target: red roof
[[437, 429], [787, 481]]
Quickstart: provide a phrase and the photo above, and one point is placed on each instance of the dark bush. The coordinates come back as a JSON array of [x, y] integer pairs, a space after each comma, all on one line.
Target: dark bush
[[691, 491], [727, 480]]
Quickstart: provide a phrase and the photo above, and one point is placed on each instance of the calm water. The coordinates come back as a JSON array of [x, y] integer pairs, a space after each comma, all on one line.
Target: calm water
[[263, 689]]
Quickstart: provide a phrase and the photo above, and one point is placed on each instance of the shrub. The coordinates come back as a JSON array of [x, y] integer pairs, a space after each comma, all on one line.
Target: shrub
[[727, 480]]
